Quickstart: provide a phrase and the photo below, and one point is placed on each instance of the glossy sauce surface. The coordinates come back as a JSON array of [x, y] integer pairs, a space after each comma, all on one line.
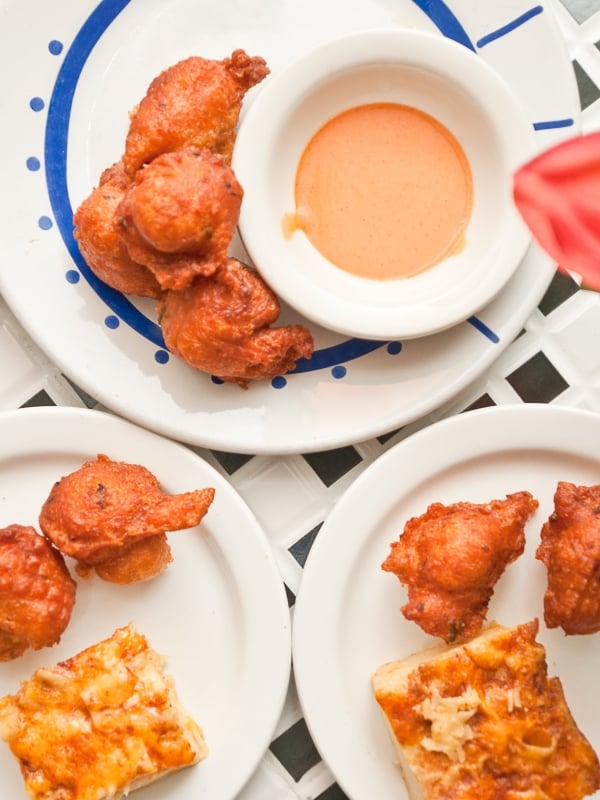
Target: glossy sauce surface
[[383, 191]]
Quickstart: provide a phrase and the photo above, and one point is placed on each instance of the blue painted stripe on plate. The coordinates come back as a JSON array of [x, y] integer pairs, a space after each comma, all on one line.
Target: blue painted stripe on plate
[[549, 124], [55, 149], [445, 20], [510, 26], [332, 356], [483, 328]]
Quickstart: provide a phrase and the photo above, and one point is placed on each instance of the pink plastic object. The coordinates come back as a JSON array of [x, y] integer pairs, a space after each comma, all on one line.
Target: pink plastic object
[[558, 196]]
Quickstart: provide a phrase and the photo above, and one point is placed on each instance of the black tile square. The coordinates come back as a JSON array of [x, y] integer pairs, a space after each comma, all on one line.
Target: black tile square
[[588, 91], [561, 288], [301, 548], [581, 10], [387, 436], [291, 597], [89, 401], [231, 462], [295, 750], [537, 380], [485, 401], [331, 465], [332, 793], [42, 398]]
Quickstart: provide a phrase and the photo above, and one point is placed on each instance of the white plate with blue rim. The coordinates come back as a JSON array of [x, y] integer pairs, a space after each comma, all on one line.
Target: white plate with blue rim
[[82, 67], [218, 613]]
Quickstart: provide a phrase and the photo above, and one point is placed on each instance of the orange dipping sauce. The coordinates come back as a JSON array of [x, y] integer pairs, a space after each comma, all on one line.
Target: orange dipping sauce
[[383, 191]]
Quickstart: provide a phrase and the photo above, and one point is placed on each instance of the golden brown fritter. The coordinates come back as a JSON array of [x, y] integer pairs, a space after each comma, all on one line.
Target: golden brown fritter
[[138, 561], [99, 512], [98, 235], [451, 557], [172, 211], [221, 325], [179, 215], [37, 592], [196, 102], [570, 550]]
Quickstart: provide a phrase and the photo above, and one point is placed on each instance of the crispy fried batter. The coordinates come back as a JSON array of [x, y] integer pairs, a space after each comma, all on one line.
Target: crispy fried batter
[[451, 557], [138, 561], [221, 325], [102, 511], [98, 235], [171, 207], [570, 550], [37, 593], [196, 102], [179, 215]]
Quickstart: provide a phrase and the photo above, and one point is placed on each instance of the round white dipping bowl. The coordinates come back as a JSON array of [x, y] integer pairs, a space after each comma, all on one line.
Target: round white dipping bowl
[[414, 68]]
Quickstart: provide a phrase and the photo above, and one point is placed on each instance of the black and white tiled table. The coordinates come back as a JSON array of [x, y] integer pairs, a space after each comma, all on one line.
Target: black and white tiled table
[[555, 359]]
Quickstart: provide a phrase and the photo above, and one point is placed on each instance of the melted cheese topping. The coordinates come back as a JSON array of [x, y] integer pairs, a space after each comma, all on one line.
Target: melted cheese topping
[[449, 717], [100, 724], [483, 720]]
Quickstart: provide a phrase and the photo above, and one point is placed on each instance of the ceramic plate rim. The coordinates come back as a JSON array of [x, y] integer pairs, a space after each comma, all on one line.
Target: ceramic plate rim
[[267, 646]]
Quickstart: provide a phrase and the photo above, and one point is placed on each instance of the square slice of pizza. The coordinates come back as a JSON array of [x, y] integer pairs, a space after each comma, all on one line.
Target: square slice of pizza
[[483, 721], [100, 724]]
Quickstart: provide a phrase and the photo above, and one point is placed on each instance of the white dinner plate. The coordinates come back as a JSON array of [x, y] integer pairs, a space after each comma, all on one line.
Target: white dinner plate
[[347, 618], [218, 612], [82, 66]]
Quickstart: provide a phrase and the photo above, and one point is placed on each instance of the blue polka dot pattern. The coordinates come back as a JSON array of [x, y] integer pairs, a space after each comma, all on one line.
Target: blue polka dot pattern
[[45, 223], [112, 322], [394, 348], [55, 47], [279, 382], [72, 276], [161, 357], [36, 104], [339, 372], [33, 164]]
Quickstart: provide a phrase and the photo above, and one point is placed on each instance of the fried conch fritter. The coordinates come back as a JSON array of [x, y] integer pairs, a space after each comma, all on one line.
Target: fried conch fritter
[[167, 214], [98, 236], [222, 325], [179, 215], [451, 557], [196, 102], [138, 561], [37, 592], [112, 516], [570, 550]]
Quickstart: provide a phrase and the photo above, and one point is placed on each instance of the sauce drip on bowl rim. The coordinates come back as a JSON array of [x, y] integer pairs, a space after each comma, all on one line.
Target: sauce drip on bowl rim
[[383, 191]]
